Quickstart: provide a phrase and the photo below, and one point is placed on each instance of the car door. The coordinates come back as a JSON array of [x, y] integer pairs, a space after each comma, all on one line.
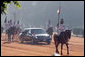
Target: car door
[[28, 35]]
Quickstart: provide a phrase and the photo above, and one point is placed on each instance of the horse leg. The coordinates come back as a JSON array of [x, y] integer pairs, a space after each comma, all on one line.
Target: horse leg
[[61, 48], [9, 37], [67, 48], [55, 38], [17, 36], [55, 41], [57, 47], [12, 37], [5, 36]]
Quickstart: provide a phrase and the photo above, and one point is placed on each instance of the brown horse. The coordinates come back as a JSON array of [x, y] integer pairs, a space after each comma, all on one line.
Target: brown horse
[[63, 39]]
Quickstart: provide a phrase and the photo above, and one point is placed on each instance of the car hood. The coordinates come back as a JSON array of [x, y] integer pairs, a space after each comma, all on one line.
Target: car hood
[[41, 35]]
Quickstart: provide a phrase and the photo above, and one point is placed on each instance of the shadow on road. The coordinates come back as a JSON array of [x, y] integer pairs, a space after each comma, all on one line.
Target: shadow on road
[[26, 42], [38, 43]]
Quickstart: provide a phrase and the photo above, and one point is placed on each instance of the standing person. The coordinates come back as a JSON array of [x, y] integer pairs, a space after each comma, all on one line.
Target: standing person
[[17, 30], [11, 25], [14, 27], [18, 26], [9, 31], [5, 27], [50, 31], [50, 28], [2, 30], [13, 30]]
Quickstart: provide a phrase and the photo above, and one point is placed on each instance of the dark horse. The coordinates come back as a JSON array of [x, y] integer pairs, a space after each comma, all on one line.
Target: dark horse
[[12, 32], [63, 38], [50, 31]]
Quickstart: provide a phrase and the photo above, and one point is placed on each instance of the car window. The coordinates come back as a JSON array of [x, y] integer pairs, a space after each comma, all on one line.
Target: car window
[[37, 31], [25, 31], [29, 31]]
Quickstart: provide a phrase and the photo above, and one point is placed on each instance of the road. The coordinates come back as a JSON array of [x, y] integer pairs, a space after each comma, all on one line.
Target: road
[[76, 48]]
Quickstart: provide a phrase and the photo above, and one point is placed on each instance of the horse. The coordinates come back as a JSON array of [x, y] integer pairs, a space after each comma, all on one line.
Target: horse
[[13, 31], [63, 38], [16, 32], [50, 31]]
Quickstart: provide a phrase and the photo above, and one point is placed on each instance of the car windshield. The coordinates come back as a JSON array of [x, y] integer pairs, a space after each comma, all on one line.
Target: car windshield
[[38, 31], [25, 31]]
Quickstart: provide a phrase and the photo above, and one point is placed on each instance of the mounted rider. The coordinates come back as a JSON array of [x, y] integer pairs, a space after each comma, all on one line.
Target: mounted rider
[[62, 37], [61, 27]]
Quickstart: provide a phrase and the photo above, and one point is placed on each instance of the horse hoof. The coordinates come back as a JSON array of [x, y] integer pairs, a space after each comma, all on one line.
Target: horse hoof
[[56, 54], [61, 54], [67, 54]]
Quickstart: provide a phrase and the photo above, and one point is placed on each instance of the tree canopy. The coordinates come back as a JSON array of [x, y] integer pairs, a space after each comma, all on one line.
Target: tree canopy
[[4, 6]]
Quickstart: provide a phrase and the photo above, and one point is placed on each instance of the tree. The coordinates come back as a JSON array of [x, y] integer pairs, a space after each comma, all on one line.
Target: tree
[[4, 6]]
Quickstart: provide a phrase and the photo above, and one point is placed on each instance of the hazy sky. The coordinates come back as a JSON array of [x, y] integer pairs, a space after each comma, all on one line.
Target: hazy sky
[[39, 12]]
